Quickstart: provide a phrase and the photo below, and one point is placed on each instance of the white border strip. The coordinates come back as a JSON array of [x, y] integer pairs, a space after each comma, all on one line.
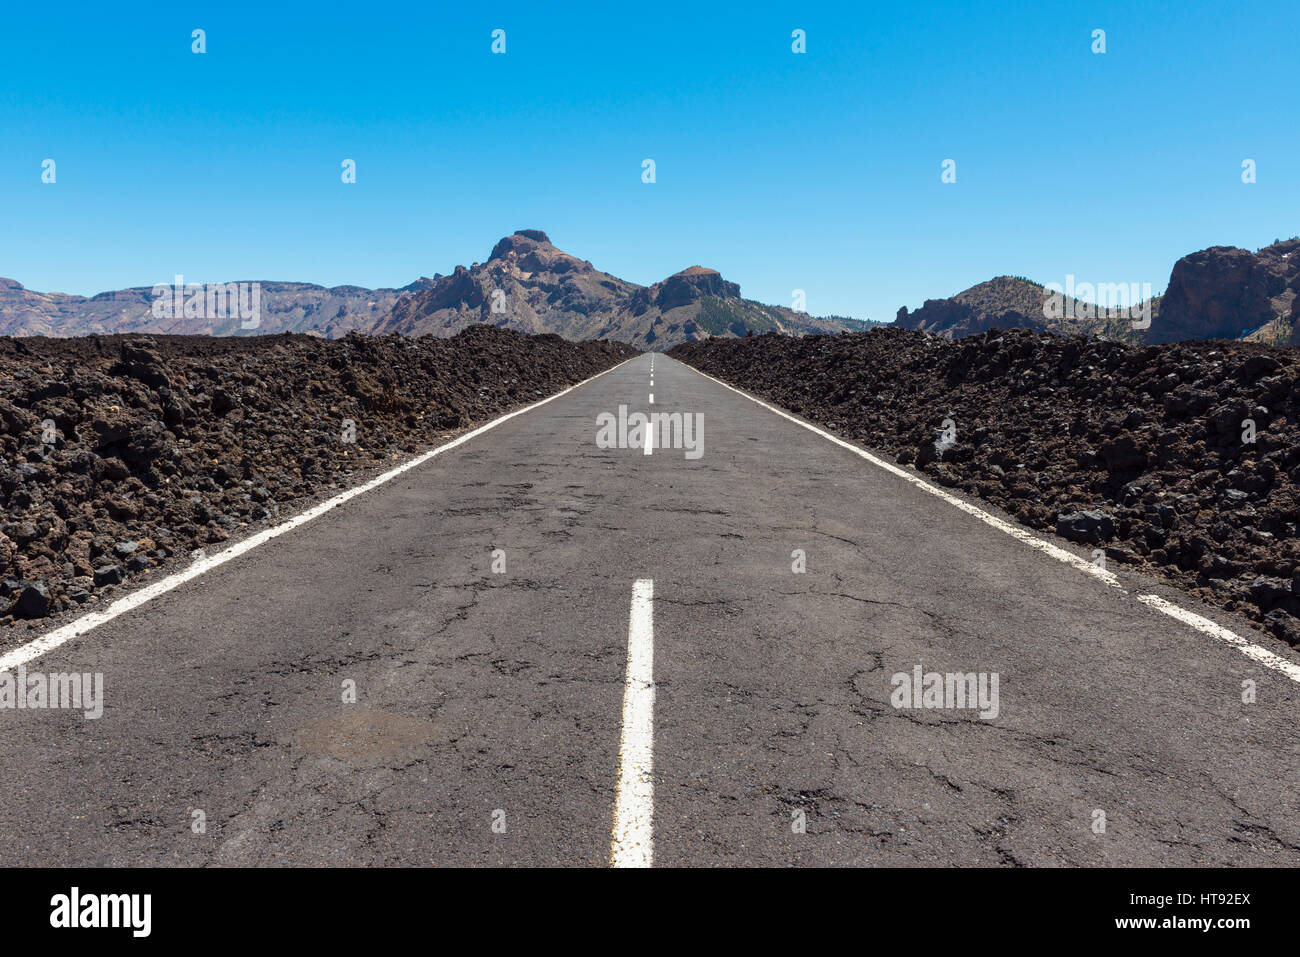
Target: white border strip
[[632, 843], [1060, 554], [1252, 651], [53, 639]]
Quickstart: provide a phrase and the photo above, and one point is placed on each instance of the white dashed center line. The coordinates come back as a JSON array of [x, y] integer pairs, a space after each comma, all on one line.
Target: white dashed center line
[[633, 839]]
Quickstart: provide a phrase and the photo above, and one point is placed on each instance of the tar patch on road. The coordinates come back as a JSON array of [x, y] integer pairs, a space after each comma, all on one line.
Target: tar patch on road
[[366, 739]]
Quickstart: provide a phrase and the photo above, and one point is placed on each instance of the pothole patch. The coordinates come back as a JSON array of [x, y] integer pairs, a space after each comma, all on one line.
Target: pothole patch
[[367, 739]]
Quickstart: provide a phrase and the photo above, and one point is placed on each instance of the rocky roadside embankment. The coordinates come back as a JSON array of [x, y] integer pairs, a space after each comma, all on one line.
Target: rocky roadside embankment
[[1182, 458], [121, 453]]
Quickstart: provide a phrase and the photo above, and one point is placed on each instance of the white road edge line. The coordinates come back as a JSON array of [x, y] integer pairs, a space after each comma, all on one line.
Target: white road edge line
[[632, 842], [1252, 651], [53, 639]]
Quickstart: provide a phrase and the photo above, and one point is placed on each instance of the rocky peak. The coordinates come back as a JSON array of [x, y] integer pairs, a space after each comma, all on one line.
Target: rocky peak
[[531, 251], [521, 242], [1220, 293], [691, 284], [1004, 302]]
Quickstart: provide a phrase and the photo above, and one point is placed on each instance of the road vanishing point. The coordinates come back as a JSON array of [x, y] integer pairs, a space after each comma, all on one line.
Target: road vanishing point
[[531, 650]]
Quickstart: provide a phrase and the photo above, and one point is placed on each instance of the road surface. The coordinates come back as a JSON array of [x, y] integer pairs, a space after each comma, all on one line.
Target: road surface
[[499, 717]]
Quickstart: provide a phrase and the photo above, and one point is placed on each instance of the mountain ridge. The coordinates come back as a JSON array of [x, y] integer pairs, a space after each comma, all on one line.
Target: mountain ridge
[[1221, 292], [529, 284], [526, 283]]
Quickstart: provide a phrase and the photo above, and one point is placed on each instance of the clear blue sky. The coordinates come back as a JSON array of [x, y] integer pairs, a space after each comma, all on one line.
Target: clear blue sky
[[818, 171]]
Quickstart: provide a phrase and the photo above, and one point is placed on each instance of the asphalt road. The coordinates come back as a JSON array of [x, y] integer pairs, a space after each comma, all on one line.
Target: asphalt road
[[498, 696]]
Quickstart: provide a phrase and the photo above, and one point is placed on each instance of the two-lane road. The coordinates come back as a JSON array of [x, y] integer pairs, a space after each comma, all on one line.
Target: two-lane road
[[482, 606]]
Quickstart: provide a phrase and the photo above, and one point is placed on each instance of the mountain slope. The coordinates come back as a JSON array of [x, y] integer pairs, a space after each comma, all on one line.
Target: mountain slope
[[526, 284], [1222, 292], [1011, 302], [284, 307], [1229, 293], [530, 285]]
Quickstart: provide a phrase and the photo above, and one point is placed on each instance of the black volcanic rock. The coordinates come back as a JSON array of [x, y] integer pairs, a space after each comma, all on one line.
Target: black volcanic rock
[[136, 477], [33, 601], [1139, 450]]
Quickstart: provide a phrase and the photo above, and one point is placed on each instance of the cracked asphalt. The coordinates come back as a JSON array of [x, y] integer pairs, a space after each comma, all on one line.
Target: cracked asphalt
[[487, 697]]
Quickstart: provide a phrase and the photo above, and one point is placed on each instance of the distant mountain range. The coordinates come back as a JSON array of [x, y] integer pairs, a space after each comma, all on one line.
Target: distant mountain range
[[1218, 293], [285, 307], [526, 284]]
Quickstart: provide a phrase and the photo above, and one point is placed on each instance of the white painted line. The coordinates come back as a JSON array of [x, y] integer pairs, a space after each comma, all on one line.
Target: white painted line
[[632, 844], [649, 437], [1060, 554], [652, 398], [51, 640], [1252, 651]]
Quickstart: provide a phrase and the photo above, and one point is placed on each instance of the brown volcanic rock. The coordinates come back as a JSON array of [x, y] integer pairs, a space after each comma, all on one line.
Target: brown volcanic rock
[[166, 444], [1138, 450]]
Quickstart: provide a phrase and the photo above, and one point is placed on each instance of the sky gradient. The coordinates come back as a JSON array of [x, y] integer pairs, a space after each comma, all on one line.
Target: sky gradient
[[818, 171]]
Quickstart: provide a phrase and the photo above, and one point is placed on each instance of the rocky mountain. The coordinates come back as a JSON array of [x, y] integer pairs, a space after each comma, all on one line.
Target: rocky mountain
[[1013, 302], [1229, 293], [1222, 292], [528, 284], [283, 307]]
